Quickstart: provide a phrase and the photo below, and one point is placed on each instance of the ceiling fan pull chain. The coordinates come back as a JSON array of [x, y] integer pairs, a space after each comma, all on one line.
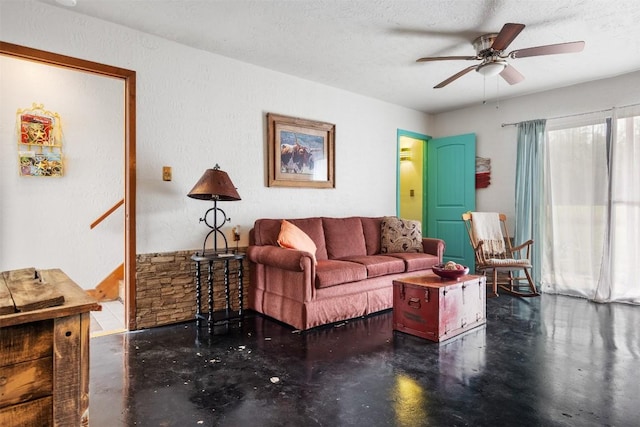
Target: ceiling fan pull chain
[[484, 90]]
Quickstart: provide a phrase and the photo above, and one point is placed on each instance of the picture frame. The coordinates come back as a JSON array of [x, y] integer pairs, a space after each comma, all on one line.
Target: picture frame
[[301, 152], [40, 140]]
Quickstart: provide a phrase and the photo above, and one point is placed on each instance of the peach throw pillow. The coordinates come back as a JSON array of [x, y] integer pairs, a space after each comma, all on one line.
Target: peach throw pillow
[[292, 237]]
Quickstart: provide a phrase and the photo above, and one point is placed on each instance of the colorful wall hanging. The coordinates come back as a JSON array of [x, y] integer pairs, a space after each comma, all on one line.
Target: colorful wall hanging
[[483, 172], [39, 142]]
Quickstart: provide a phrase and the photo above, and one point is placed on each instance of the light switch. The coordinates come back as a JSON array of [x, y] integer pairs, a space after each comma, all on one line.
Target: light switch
[[166, 173]]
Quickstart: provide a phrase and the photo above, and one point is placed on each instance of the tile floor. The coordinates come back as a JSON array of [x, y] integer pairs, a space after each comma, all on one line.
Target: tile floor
[[108, 321]]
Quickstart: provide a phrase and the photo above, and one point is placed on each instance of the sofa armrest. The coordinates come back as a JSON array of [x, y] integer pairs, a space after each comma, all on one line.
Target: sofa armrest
[[275, 256], [434, 246], [286, 272]]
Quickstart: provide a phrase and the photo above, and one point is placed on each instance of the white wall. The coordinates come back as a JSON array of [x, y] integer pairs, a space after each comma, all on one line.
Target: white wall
[[45, 220], [500, 143], [196, 109]]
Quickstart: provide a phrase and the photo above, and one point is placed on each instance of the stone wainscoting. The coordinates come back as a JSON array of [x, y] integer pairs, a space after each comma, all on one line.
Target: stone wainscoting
[[166, 291]]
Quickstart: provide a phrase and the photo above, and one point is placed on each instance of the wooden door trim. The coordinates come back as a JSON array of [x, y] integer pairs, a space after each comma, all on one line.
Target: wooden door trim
[[129, 78]]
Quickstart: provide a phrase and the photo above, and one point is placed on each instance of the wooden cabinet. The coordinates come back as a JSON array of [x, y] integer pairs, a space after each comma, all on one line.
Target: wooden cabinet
[[44, 359]]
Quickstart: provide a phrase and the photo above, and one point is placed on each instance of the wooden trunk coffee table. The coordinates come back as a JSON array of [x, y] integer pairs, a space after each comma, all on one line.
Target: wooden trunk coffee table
[[438, 309]]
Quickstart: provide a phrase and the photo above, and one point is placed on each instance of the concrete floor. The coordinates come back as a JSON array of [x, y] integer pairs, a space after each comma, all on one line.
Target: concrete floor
[[548, 361]]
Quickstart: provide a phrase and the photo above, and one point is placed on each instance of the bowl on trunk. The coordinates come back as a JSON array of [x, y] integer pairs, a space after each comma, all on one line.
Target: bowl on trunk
[[440, 271]]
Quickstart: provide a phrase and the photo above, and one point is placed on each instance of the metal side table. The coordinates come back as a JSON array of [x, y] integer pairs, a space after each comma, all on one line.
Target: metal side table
[[213, 262]]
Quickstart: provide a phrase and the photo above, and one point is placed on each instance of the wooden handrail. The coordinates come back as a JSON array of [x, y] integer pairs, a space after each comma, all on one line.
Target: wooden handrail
[[106, 214]]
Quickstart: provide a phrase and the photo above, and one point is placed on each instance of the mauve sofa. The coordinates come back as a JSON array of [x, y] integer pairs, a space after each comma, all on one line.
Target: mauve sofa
[[351, 279]]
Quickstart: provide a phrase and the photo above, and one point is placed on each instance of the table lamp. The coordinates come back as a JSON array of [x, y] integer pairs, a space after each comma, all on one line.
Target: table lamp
[[215, 185]]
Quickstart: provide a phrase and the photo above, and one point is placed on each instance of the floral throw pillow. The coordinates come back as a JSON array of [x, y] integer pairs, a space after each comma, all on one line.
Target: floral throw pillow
[[400, 235]]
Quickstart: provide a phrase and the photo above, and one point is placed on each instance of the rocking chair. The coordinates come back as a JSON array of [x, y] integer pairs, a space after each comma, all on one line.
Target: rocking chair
[[494, 253]]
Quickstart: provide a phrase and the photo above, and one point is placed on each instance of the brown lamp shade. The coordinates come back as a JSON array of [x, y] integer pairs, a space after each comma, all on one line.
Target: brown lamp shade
[[214, 185]]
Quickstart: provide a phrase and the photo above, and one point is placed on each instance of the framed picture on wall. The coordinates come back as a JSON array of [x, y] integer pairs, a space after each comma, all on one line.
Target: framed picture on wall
[[40, 141], [300, 152]]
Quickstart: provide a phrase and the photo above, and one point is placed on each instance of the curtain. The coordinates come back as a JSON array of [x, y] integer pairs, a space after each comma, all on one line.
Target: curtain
[[620, 283], [529, 185], [576, 188], [591, 192]]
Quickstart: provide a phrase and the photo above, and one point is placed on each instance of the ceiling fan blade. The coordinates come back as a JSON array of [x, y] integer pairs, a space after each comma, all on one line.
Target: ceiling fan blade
[[445, 58], [507, 34], [511, 75], [550, 49], [455, 77]]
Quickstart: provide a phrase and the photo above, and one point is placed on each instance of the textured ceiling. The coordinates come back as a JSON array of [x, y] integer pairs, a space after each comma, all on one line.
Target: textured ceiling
[[370, 46]]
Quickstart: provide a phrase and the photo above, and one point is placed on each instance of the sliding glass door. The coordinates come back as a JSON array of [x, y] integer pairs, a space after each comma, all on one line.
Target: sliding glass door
[[625, 208], [592, 206]]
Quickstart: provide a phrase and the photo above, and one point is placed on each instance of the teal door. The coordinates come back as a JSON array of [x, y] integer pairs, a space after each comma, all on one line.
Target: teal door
[[450, 187]]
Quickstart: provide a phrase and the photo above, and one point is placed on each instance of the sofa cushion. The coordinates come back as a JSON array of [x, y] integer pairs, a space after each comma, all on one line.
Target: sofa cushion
[[400, 235], [379, 265], [313, 228], [334, 272], [292, 237], [371, 229], [416, 261], [266, 231], [344, 237]]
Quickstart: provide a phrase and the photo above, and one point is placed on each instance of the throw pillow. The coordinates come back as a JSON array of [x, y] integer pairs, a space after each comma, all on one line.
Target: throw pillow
[[400, 235], [292, 237]]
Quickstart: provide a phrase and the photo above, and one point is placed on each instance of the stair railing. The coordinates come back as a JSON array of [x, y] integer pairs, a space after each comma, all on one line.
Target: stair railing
[[106, 214], [109, 288]]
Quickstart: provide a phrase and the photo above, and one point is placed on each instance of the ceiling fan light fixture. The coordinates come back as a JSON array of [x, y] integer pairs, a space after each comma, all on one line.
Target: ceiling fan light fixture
[[493, 68]]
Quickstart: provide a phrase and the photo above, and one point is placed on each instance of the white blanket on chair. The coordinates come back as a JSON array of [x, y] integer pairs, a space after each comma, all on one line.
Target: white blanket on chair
[[486, 227]]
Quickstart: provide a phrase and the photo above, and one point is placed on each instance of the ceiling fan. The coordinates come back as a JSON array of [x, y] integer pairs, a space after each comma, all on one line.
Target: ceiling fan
[[490, 51]]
